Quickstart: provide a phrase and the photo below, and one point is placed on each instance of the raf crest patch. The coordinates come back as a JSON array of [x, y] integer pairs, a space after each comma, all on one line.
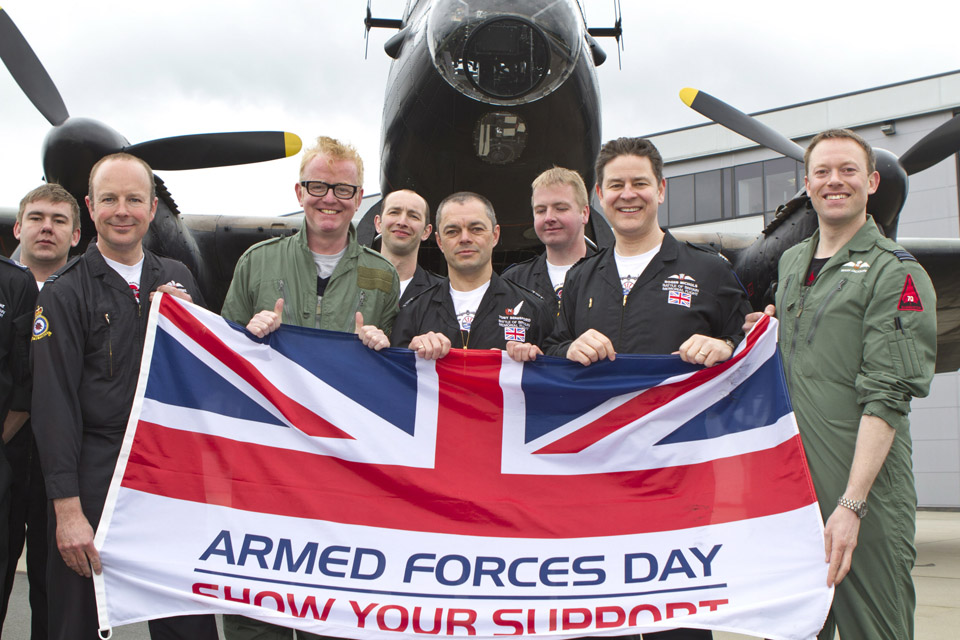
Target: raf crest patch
[[41, 328], [909, 297]]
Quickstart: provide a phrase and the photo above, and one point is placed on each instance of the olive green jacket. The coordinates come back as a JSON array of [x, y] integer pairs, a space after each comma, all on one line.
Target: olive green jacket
[[284, 268]]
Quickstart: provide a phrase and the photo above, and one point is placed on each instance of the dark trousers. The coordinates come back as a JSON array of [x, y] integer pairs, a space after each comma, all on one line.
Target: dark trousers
[[73, 605], [27, 525]]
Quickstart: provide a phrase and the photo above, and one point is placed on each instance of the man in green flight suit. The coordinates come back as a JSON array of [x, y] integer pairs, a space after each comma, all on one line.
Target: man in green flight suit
[[858, 333], [319, 277]]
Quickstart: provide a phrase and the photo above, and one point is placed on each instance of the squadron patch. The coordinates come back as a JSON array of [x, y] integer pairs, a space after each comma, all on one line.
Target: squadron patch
[[681, 289], [41, 328], [514, 325], [860, 266], [909, 297], [3, 309]]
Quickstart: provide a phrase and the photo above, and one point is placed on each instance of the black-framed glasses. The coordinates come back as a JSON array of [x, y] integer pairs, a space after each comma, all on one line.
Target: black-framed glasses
[[319, 188]]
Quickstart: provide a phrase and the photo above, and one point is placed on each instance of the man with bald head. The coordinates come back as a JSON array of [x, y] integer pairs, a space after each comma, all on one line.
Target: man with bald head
[[88, 335], [404, 222]]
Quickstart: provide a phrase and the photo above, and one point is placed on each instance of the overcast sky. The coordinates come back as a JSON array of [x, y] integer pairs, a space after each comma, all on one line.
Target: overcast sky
[[156, 69]]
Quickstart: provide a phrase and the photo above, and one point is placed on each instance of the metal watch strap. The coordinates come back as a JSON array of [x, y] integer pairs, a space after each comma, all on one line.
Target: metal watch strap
[[859, 507]]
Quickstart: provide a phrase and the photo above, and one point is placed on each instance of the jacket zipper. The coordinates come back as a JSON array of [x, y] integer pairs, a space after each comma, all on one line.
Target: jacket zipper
[[796, 330], [106, 316]]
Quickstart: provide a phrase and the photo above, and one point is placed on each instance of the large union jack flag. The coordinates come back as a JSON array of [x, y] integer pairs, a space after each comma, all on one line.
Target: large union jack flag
[[307, 480]]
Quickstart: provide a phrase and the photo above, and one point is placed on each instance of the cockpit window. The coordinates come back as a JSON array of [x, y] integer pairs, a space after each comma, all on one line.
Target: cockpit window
[[502, 53]]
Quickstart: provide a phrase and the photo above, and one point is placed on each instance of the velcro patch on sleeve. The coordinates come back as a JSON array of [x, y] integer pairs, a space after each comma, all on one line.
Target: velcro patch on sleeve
[[909, 297]]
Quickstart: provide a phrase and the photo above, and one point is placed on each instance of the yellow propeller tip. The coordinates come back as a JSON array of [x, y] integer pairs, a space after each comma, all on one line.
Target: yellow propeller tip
[[688, 95], [292, 143]]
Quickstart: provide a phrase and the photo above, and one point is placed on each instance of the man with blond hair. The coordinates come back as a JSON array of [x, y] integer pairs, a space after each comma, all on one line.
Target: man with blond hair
[[319, 277], [47, 226], [561, 210]]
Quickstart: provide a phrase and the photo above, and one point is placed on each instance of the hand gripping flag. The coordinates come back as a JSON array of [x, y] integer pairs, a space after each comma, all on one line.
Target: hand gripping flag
[[308, 481]]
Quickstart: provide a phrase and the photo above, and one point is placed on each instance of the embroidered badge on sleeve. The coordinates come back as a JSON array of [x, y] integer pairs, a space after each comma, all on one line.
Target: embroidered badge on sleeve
[[909, 297]]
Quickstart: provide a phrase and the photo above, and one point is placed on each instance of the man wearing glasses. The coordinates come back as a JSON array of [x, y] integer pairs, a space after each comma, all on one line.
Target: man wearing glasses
[[319, 277]]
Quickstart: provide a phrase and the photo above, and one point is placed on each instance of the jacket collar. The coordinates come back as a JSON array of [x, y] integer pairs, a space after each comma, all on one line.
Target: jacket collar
[[353, 247], [863, 240]]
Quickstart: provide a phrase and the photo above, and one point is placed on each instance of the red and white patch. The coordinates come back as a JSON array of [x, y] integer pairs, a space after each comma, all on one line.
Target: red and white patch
[[909, 297]]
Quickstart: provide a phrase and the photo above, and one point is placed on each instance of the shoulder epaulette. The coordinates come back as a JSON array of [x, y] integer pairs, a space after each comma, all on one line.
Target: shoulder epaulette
[[13, 263], [521, 263], [422, 293], [706, 248], [62, 270], [524, 289], [903, 255]]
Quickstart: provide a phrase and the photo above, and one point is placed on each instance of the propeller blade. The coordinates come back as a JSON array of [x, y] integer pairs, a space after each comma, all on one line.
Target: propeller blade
[[206, 150], [26, 69], [933, 147], [739, 122]]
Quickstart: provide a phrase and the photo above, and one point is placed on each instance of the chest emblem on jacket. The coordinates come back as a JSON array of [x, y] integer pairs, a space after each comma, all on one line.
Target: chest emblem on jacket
[[514, 326], [41, 328], [859, 266], [681, 289]]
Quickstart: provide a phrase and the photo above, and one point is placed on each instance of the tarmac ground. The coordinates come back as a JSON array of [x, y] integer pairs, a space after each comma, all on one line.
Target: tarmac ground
[[937, 576]]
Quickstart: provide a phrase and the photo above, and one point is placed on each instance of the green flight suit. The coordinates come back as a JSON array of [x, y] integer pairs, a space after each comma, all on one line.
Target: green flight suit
[[363, 280], [284, 268], [861, 340]]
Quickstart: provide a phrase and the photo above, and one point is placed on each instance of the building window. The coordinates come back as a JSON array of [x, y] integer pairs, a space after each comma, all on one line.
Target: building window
[[749, 189], [682, 209], [780, 181], [744, 190], [708, 190]]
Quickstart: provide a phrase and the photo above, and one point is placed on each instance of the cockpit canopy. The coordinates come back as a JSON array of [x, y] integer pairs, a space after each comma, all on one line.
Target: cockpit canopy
[[504, 52]]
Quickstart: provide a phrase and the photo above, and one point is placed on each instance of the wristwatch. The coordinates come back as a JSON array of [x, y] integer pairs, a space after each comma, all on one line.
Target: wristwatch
[[859, 507]]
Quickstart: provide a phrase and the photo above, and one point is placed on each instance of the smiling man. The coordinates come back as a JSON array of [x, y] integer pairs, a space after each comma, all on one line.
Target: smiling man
[[403, 225], [560, 213], [859, 335], [473, 307], [319, 277], [88, 334], [648, 293]]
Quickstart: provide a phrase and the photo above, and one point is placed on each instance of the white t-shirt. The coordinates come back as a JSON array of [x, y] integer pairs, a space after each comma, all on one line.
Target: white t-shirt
[[327, 263], [466, 303], [557, 275], [404, 283], [129, 272], [630, 267]]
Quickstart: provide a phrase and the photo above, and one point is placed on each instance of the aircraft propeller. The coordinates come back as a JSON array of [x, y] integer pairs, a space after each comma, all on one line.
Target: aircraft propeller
[[615, 32], [886, 203], [90, 138]]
